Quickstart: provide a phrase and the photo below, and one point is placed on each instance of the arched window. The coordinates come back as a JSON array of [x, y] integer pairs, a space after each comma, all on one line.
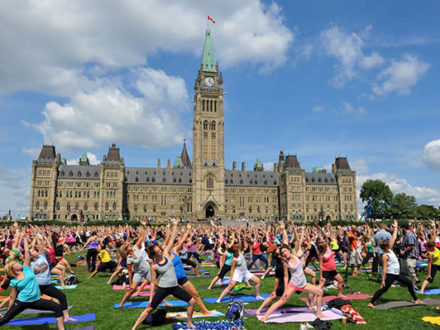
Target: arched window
[[213, 126], [70, 173], [215, 106], [79, 174], [114, 205], [86, 206], [203, 105], [210, 182], [205, 124], [38, 193], [45, 205], [250, 209], [96, 206], [76, 206], [88, 174], [58, 206], [37, 206], [68, 207], [106, 206]]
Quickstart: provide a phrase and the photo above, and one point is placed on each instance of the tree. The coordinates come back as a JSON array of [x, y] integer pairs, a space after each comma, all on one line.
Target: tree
[[425, 212], [403, 206], [379, 195]]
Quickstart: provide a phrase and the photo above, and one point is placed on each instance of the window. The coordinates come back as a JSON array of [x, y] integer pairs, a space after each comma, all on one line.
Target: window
[[76, 206], [45, 205], [210, 182], [114, 205], [106, 206], [205, 125], [96, 206], [68, 207], [58, 206], [213, 126], [86, 207]]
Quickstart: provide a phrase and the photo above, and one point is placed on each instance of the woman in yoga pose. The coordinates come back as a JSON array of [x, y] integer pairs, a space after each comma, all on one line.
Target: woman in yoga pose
[[167, 284], [391, 270]]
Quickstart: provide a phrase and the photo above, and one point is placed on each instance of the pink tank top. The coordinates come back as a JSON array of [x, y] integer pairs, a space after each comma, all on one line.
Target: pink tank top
[[328, 261]]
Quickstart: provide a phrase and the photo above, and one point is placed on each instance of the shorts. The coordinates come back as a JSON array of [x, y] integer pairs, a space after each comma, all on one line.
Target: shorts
[[162, 293], [123, 263], [293, 286], [242, 276], [137, 277], [409, 266], [355, 258], [182, 281], [329, 274]]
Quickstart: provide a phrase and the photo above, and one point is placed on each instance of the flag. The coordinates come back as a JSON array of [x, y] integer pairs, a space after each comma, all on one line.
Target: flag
[[211, 19]]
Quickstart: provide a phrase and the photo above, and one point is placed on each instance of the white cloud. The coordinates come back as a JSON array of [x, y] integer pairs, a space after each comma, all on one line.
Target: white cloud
[[431, 155], [318, 108], [360, 166], [349, 108], [32, 152], [93, 160], [14, 191], [268, 166], [401, 75], [426, 195], [110, 113], [303, 55], [58, 47], [347, 49]]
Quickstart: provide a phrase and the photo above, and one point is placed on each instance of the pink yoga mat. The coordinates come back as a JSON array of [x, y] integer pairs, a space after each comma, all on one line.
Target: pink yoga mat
[[142, 294], [358, 296], [282, 310], [300, 317], [262, 273], [120, 287]]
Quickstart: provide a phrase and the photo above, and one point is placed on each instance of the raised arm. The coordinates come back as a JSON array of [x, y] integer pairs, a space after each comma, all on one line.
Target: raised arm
[[393, 239], [182, 240], [27, 256], [168, 247]]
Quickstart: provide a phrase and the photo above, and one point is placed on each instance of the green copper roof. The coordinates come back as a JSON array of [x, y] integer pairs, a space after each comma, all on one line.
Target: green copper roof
[[84, 157], [63, 161], [178, 163], [208, 59], [317, 169], [258, 163]]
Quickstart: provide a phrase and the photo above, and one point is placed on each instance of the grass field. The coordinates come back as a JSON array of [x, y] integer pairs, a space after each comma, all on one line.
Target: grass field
[[97, 297]]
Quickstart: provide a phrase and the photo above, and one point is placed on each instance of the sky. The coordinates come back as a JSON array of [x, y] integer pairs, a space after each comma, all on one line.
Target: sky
[[319, 79]]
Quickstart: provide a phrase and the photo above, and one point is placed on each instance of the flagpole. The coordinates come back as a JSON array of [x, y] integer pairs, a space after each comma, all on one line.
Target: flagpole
[[207, 23]]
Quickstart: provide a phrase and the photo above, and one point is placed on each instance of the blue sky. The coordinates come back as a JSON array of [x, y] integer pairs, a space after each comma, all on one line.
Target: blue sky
[[318, 79]]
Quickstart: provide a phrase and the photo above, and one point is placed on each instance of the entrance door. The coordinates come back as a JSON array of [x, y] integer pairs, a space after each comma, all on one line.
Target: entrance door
[[74, 217], [209, 211]]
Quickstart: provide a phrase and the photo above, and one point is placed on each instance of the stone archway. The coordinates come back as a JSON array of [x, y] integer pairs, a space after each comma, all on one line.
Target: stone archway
[[209, 211], [74, 217]]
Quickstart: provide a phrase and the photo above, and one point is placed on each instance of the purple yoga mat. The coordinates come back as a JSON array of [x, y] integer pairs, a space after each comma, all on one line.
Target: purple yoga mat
[[300, 317], [282, 310], [358, 296]]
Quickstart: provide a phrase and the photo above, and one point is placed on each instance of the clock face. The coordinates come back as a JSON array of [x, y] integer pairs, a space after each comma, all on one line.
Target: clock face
[[209, 82]]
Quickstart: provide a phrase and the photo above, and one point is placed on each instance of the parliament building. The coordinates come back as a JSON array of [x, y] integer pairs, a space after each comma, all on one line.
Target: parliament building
[[199, 189]]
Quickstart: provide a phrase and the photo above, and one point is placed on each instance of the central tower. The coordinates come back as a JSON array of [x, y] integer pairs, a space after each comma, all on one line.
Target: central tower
[[208, 184]]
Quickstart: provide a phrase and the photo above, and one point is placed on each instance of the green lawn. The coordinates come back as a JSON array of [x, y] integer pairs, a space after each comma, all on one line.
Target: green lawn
[[95, 296]]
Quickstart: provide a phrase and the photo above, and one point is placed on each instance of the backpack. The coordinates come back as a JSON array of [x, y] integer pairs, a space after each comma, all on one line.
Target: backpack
[[157, 318], [71, 280], [353, 315], [235, 310]]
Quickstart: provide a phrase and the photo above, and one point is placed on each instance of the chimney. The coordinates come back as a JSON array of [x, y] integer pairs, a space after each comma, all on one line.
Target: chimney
[[168, 164], [243, 166], [158, 163], [333, 168], [234, 166], [275, 167], [281, 156]]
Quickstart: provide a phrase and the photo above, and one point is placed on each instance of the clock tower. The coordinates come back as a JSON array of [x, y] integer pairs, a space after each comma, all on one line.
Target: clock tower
[[208, 182]]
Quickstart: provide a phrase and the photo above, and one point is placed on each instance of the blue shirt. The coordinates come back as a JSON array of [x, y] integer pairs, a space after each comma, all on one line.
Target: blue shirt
[[229, 257], [43, 277], [381, 235], [28, 290], [178, 266], [410, 239]]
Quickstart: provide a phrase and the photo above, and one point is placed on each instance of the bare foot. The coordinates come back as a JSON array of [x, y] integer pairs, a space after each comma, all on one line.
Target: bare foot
[[69, 319], [166, 303], [419, 302], [320, 316], [207, 313], [258, 312], [371, 305], [192, 326], [422, 292]]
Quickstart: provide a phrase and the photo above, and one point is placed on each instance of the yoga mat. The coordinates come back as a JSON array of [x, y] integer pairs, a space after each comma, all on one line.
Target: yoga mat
[[300, 317], [431, 291], [67, 287], [243, 298], [208, 265], [397, 304], [52, 320], [215, 287], [432, 319], [143, 304], [262, 273], [201, 275], [282, 310], [184, 315], [141, 294], [358, 296]]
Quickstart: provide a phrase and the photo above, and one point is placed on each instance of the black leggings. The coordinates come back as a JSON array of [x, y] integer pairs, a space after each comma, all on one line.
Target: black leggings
[[162, 293], [375, 261], [389, 279], [195, 255], [189, 263], [312, 254], [91, 259], [41, 304], [51, 291], [223, 271], [434, 270]]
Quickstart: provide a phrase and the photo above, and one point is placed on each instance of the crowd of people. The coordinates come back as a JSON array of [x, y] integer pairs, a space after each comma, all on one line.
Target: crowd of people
[[158, 256]]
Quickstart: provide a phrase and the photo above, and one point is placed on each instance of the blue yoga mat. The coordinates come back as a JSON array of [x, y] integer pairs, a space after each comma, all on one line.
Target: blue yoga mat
[[143, 304], [244, 298], [67, 287], [52, 320], [431, 291]]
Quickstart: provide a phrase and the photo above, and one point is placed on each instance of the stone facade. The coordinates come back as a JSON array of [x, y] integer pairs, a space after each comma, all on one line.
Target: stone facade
[[201, 189]]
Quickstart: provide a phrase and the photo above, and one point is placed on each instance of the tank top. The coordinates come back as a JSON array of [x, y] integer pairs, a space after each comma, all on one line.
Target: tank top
[[168, 278], [229, 257], [370, 247], [334, 245], [178, 267], [435, 257], [297, 277], [240, 264], [256, 248], [393, 266], [93, 245], [328, 261]]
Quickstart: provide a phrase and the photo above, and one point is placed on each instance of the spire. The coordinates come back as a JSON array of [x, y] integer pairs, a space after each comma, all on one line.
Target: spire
[[208, 59], [185, 158]]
